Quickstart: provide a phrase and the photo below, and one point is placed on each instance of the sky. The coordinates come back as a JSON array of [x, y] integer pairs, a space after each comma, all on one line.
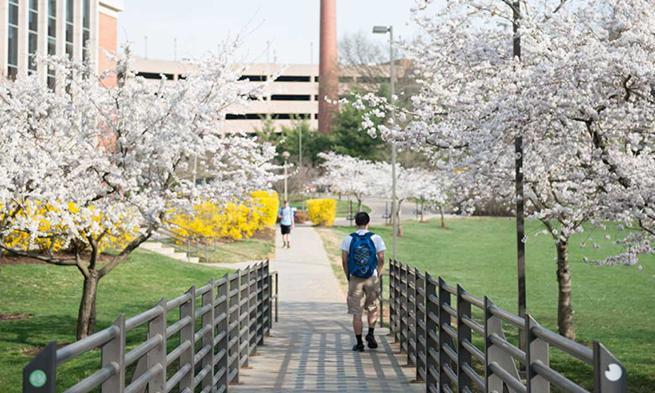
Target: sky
[[291, 26]]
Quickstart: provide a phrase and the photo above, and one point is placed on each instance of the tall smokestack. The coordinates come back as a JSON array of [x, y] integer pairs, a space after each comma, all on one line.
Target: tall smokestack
[[329, 68]]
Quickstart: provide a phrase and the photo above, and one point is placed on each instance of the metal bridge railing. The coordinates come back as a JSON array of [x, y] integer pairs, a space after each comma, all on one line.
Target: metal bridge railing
[[457, 342], [219, 326]]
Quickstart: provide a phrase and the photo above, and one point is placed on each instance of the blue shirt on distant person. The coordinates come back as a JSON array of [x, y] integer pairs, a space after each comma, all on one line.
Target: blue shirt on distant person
[[287, 216]]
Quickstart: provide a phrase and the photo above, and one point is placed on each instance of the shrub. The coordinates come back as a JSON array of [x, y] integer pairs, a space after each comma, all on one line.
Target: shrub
[[210, 221], [322, 212], [50, 239]]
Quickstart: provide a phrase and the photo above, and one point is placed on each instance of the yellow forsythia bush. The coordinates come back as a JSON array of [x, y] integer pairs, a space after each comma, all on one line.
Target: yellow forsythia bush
[[322, 212], [118, 238], [211, 221]]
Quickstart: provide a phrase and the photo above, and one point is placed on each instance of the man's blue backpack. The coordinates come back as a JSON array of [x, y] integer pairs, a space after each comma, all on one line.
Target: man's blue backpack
[[362, 257]]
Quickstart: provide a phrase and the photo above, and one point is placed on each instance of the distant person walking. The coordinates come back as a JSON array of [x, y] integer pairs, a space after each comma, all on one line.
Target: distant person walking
[[362, 259], [287, 223]]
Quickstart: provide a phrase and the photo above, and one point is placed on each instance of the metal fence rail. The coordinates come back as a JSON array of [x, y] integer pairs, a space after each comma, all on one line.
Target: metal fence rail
[[457, 342], [219, 326]]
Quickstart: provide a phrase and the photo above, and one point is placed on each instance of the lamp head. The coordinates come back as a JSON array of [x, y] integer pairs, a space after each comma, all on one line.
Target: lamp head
[[380, 30]]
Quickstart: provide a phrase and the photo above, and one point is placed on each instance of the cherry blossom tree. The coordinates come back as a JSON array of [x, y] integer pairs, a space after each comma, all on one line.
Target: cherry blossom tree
[[349, 176], [580, 97], [95, 171]]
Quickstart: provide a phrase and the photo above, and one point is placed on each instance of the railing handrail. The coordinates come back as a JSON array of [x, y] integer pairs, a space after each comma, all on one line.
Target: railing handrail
[[433, 322], [236, 312]]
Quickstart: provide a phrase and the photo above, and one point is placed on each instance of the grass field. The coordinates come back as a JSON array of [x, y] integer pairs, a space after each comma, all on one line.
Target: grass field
[[257, 248], [49, 297], [614, 305]]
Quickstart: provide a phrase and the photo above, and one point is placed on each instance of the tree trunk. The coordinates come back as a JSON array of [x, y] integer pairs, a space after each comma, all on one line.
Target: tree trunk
[[86, 315], [564, 306], [359, 206], [443, 221]]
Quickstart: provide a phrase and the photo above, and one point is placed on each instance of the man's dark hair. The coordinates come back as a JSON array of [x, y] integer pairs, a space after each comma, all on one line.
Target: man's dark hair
[[362, 218]]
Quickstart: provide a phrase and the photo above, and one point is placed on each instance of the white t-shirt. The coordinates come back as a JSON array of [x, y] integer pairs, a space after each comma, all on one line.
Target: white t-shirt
[[377, 241]]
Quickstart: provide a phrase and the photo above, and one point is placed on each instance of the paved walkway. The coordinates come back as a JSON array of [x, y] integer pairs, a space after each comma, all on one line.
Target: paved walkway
[[310, 347]]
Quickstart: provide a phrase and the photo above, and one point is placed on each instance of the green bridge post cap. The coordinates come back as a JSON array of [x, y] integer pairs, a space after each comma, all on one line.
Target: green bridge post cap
[[38, 378]]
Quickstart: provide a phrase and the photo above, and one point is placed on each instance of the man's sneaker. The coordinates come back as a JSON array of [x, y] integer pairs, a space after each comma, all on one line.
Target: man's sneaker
[[370, 340], [358, 348]]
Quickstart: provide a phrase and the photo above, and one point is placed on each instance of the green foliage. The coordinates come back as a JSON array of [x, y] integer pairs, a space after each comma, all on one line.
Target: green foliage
[[347, 137]]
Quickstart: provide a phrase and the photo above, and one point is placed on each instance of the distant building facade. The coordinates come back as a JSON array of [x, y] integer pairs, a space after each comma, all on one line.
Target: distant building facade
[[82, 30], [291, 97]]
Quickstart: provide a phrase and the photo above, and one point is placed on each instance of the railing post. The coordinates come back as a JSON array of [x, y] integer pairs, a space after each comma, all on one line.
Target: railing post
[[381, 297], [244, 305], [40, 375], [157, 356], [432, 344], [536, 350], [253, 299], [277, 292], [411, 316], [234, 296], [403, 308], [392, 299], [444, 338], [463, 334], [609, 374], [237, 363], [114, 353], [494, 325], [421, 352], [261, 299], [222, 329], [208, 299], [187, 334]]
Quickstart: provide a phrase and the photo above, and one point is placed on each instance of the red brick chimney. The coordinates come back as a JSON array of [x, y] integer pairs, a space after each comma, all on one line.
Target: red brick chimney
[[329, 68]]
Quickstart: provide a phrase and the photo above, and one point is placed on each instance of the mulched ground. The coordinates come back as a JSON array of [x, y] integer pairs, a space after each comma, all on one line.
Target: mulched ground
[[7, 260]]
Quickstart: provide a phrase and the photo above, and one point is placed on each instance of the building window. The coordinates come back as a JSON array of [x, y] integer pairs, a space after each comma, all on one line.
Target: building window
[[70, 27], [291, 97], [254, 78], [156, 76], [273, 116], [293, 78], [86, 29], [32, 38], [52, 39], [12, 43]]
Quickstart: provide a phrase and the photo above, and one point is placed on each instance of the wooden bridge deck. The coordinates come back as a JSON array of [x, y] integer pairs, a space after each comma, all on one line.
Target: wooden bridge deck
[[310, 347]]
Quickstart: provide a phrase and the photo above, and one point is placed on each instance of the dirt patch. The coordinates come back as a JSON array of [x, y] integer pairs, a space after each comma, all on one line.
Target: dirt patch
[[14, 316], [9, 260], [265, 234]]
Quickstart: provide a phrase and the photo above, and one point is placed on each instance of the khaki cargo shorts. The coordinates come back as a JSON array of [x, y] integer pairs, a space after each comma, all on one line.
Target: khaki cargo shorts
[[363, 294]]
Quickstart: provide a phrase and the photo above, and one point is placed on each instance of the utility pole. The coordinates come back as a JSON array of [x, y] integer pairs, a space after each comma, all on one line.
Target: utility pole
[[392, 93], [520, 195]]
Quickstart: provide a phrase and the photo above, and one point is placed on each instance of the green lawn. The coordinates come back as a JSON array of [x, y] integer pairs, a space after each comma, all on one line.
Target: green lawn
[[613, 305], [50, 294], [258, 248]]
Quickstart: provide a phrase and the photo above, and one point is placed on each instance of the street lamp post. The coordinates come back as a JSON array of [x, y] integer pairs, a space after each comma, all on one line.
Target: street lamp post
[[285, 155], [394, 153]]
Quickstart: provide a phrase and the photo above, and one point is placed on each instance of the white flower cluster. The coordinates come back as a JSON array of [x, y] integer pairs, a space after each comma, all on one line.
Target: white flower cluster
[[582, 97]]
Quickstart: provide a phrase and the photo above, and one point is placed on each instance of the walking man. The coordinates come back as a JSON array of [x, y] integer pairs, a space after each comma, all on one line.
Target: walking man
[[287, 223], [362, 259]]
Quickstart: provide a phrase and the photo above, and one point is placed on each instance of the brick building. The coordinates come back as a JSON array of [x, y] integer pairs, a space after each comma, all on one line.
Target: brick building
[[79, 29]]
